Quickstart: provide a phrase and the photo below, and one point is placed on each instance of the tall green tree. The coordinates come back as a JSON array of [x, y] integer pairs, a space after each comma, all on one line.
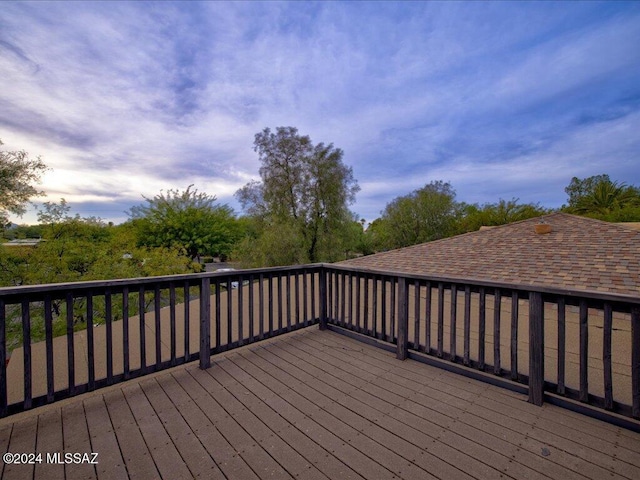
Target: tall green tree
[[187, 219], [492, 214], [426, 214], [303, 186], [18, 175], [602, 198]]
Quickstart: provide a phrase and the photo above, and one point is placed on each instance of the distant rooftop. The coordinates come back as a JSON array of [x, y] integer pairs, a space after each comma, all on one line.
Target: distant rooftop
[[579, 254], [26, 242]]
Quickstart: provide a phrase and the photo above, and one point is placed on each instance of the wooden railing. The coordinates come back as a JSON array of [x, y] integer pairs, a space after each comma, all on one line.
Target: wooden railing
[[559, 345], [578, 349], [62, 340]]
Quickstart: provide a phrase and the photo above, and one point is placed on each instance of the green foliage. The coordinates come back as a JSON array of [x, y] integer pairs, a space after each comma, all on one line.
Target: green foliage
[[579, 187], [426, 214], [18, 173], [305, 191], [189, 220], [492, 214], [600, 197]]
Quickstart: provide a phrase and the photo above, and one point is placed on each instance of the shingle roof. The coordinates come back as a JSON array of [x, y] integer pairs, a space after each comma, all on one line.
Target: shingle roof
[[579, 254]]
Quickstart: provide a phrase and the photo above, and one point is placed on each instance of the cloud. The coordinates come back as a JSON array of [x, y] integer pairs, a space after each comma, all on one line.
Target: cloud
[[125, 99]]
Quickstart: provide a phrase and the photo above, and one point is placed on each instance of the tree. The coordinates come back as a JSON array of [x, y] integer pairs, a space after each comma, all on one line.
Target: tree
[[602, 198], [492, 214], [304, 186], [18, 174], [190, 220], [579, 188], [426, 214]]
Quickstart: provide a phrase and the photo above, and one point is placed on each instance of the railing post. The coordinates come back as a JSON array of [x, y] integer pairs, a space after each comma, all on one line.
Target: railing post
[[323, 298], [635, 362], [403, 319], [536, 348], [205, 323]]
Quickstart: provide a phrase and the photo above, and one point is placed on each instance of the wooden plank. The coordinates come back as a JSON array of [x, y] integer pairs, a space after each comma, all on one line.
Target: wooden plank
[[257, 398], [108, 314], [497, 307], [142, 329], [23, 440], [536, 348], [6, 429], [467, 324], [635, 361], [252, 336], [218, 307], [187, 320], [240, 307], [158, 322], [165, 455], [358, 312], [343, 300], [348, 445], [229, 312], [383, 331], [482, 312], [195, 456], [350, 301], [91, 355], [416, 315], [379, 404], [251, 451], [562, 341], [514, 335], [415, 408], [288, 301], [125, 333], [76, 439], [323, 298], [172, 322], [287, 458], [48, 332], [110, 465], [403, 319], [205, 322], [313, 294], [26, 352], [584, 351], [135, 453], [418, 446], [606, 356], [392, 307], [261, 304], [270, 284], [178, 388], [49, 441], [452, 322], [440, 320], [427, 320], [296, 298], [3, 359], [374, 307], [280, 312]]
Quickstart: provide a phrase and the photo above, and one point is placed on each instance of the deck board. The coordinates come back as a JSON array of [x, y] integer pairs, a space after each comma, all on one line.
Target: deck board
[[316, 405]]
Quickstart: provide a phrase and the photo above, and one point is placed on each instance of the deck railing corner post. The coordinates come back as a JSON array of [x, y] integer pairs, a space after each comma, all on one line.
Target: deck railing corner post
[[205, 323], [323, 298], [536, 348], [403, 319]]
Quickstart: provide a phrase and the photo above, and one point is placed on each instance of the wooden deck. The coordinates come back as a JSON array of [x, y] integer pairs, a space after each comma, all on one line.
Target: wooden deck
[[310, 405]]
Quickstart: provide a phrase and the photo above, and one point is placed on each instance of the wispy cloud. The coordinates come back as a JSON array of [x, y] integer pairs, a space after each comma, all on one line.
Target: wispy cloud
[[502, 99]]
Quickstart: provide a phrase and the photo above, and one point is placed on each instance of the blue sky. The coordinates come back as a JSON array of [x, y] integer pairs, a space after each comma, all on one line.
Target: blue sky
[[503, 100]]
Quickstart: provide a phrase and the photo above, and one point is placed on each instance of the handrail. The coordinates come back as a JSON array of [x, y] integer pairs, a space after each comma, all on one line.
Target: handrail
[[143, 325]]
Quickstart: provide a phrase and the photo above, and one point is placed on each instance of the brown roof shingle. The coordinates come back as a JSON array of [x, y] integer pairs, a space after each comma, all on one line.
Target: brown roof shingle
[[580, 253]]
